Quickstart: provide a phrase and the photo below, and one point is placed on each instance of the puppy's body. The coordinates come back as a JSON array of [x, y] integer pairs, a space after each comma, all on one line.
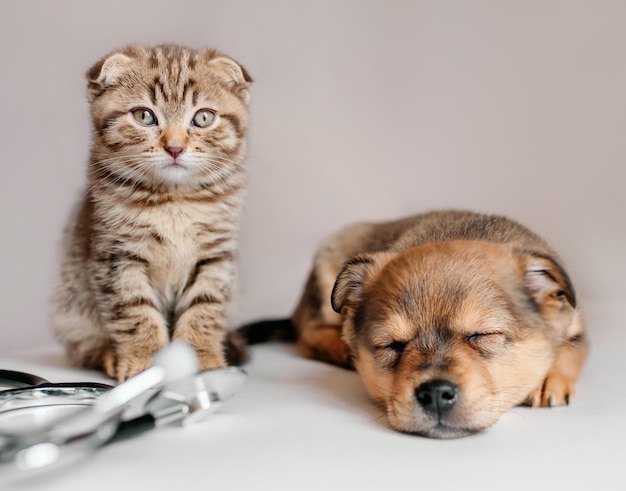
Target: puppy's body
[[451, 319]]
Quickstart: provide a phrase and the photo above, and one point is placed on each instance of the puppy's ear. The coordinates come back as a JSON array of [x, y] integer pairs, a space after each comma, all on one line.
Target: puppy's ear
[[550, 290], [348, 288], [547, 282]]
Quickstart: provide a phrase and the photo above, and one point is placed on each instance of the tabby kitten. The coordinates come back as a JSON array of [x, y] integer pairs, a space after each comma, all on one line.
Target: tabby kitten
[[149, 253]]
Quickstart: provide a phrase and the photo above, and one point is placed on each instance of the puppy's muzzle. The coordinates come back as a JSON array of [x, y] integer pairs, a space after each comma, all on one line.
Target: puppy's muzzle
[[437, 396]]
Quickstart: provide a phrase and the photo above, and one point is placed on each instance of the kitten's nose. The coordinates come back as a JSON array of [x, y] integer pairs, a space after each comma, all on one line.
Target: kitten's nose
[[174, 151]]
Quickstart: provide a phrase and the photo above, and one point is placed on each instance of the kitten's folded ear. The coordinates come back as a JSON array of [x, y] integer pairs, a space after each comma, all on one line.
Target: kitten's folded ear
[[232, 73], [105, 73]]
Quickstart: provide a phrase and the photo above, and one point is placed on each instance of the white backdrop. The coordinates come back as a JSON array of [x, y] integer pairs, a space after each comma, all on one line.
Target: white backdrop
[[360, 110]]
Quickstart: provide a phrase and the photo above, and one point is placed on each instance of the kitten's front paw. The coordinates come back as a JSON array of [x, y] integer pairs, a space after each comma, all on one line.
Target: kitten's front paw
[[209, 362], [556, 390], [210, 349], [122, 368]]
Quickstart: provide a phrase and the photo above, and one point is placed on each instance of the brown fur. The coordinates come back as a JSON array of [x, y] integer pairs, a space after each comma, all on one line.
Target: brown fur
[[149, 254], [439, 300]]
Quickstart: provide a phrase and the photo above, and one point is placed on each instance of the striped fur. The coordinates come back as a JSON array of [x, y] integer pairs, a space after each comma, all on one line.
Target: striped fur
[[149, 253]]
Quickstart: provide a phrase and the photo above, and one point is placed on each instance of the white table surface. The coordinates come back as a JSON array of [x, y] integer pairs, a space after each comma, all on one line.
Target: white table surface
[[304, 425]]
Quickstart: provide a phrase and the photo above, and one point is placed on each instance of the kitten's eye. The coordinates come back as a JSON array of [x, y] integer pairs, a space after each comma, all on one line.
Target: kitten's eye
[[203, 118], [144, 117]]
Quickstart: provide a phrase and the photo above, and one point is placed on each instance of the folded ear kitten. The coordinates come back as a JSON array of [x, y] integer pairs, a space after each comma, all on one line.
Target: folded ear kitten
[[149, 252]]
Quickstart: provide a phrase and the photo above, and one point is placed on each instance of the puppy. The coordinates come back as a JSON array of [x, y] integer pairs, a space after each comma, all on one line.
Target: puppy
[[450, 318]]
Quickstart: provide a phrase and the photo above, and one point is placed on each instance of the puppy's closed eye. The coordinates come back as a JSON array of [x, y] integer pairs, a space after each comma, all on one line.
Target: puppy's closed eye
[[389, 354], [396, 346], [486, 342]]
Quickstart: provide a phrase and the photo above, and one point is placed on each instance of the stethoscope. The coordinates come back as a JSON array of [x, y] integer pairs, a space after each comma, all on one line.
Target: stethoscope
[[43, 424]]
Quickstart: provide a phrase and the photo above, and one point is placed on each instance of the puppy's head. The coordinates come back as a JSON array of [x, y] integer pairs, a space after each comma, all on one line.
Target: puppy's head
[[448, 336]]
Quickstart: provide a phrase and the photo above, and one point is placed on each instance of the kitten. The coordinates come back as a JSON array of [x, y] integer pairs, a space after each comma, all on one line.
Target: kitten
[[149, 253]]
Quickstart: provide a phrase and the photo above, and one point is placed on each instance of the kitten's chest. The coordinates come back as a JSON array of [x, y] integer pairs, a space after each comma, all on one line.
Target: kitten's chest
[[172, 239], [171, 247]]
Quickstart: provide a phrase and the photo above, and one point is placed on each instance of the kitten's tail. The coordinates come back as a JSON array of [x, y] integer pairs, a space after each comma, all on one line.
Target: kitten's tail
[[235, 349], [268, 330]]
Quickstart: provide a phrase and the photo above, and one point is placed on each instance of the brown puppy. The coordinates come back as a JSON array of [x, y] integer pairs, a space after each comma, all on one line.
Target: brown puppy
[[450, 318]]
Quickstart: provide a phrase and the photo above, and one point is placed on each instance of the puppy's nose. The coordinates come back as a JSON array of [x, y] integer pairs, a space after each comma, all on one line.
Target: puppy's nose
[[437, 396]]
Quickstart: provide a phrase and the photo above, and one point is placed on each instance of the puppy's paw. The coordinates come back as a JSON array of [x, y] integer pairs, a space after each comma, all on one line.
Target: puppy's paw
[[556, 390]]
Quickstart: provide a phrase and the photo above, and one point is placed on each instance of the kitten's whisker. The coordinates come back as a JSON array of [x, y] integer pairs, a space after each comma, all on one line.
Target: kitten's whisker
[[111, 166], [217, 158], [220, 176], [216, 164], [117, 157], [99, 171]]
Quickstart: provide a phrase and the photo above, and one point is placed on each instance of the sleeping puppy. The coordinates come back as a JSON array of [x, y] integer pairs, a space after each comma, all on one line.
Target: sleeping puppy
[[450, 318]]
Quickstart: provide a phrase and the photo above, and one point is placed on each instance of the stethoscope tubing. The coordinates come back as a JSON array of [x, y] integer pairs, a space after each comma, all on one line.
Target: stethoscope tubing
[[22, 382], [12, 378]]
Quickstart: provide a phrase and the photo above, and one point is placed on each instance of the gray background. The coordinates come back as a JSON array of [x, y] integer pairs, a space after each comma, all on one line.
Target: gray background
[[360, 110]]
